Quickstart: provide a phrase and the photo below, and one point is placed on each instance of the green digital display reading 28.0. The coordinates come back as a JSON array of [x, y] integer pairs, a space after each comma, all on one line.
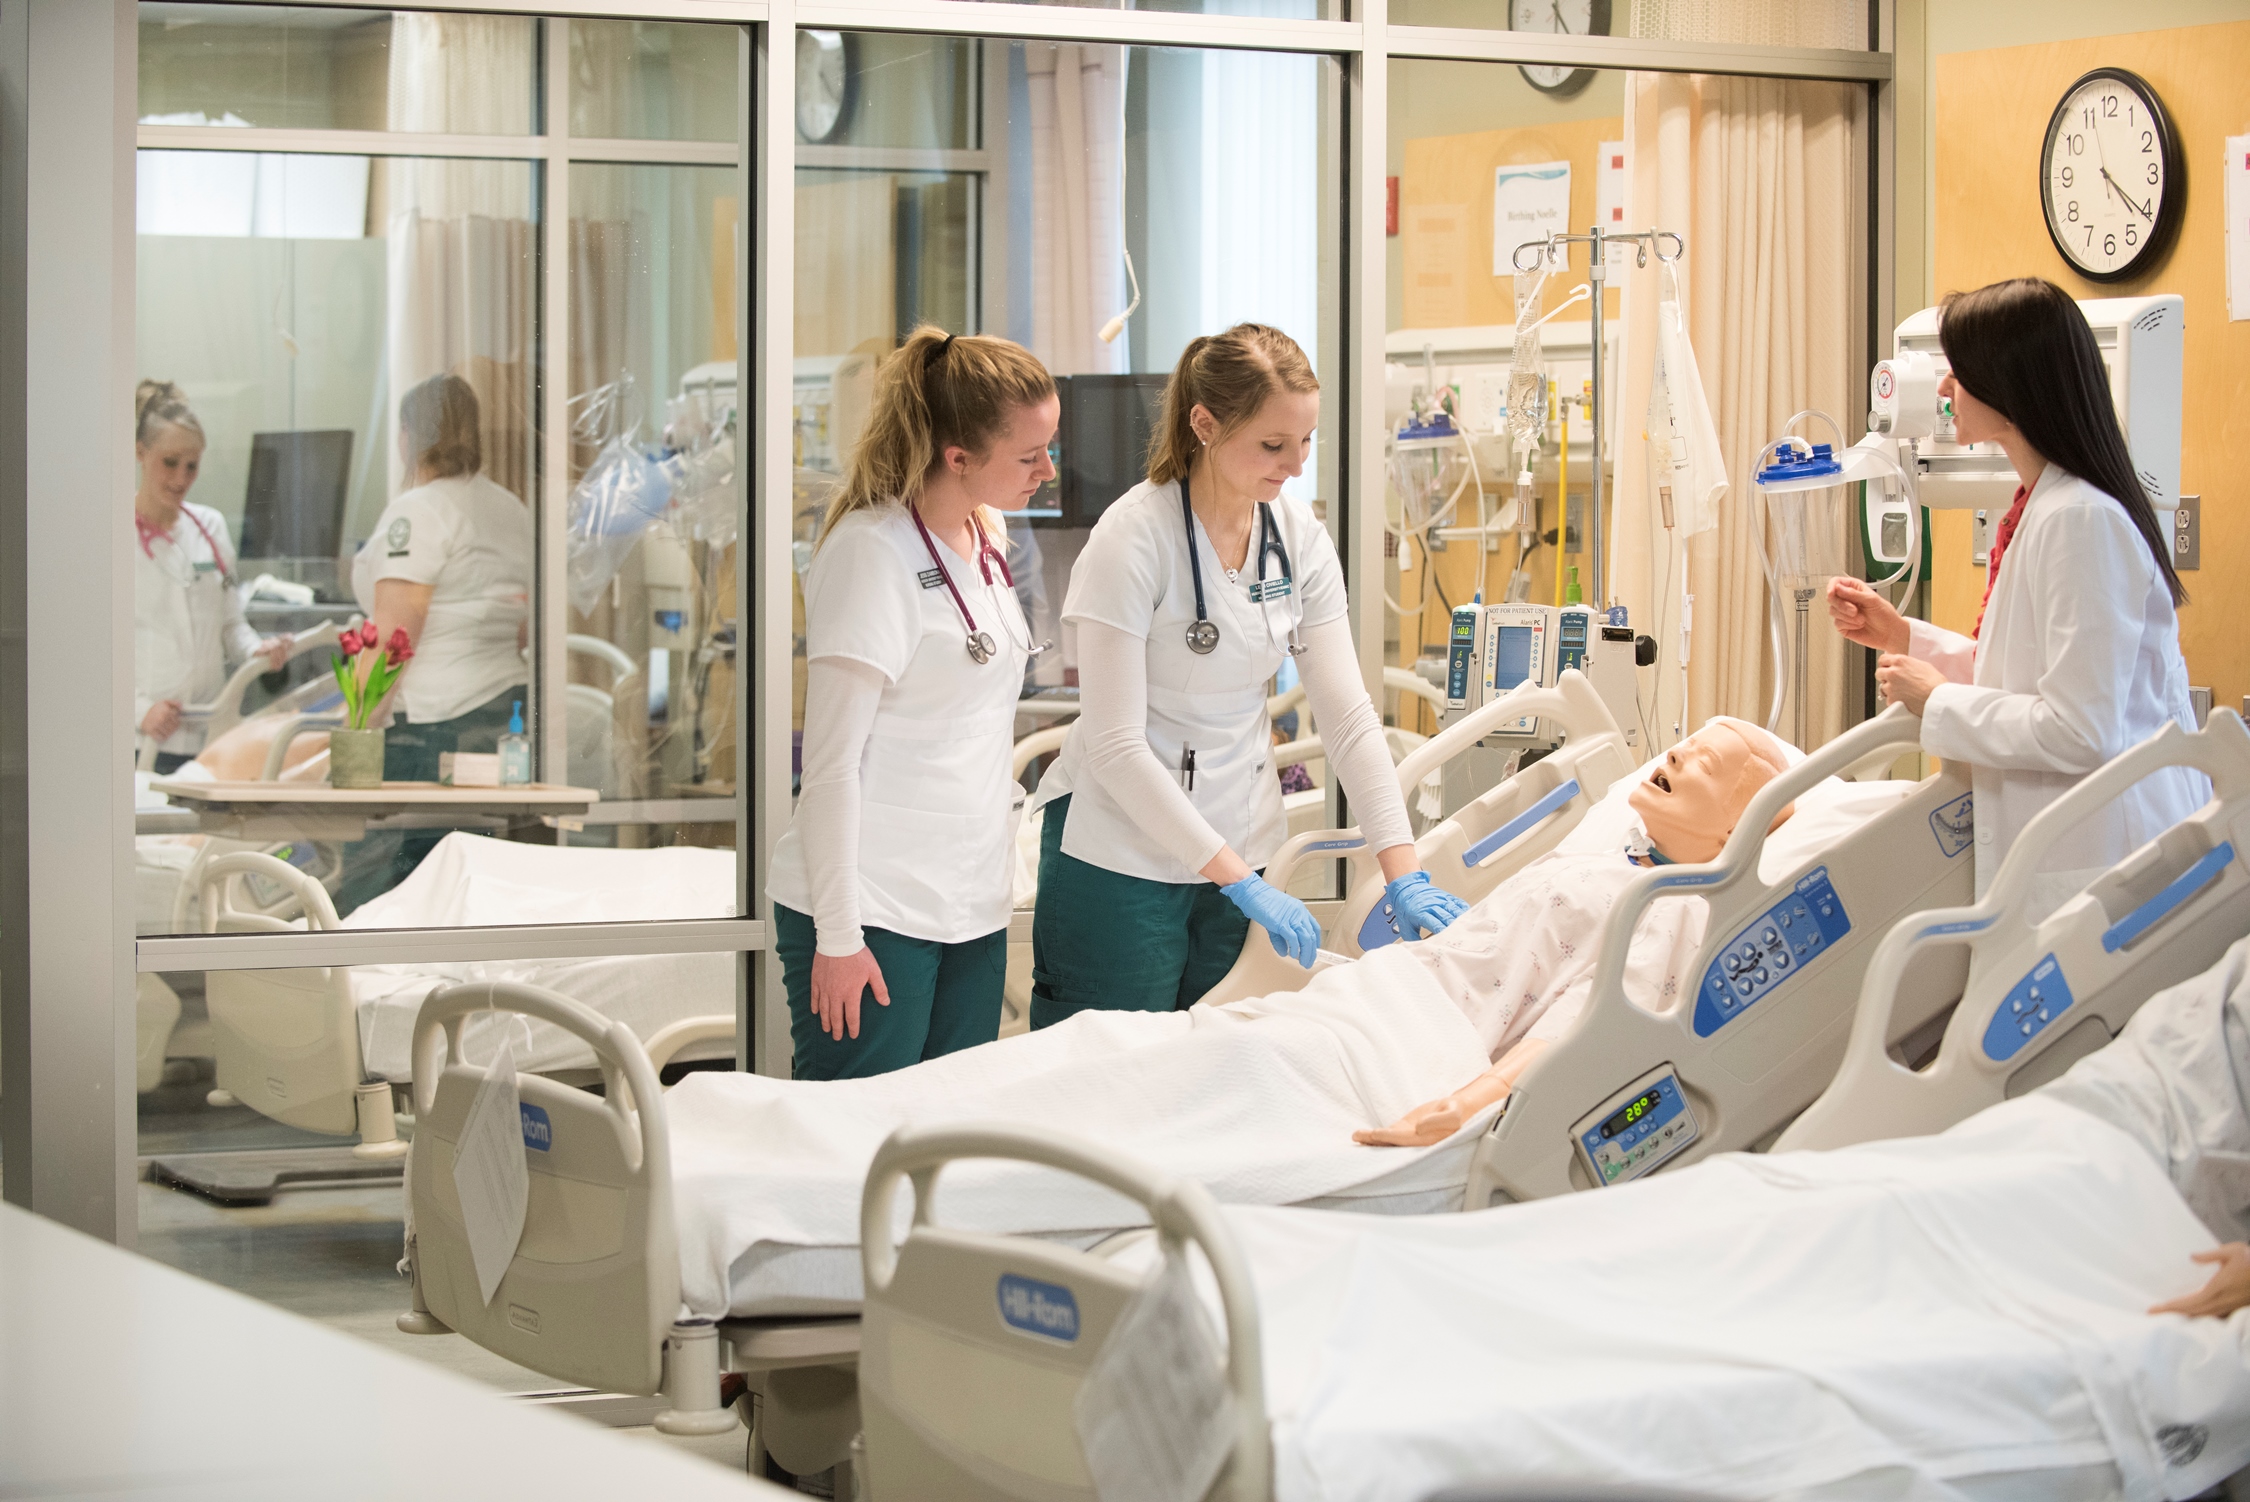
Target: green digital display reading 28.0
[[1634, 1110]]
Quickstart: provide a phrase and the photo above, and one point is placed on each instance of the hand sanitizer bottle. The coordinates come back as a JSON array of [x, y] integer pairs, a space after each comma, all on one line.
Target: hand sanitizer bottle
[[515, 752]]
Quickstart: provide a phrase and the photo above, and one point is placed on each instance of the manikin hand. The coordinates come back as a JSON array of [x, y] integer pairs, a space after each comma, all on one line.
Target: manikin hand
[[1907, 681], [1864, 616], [1434, 1121], [275, 650], [837, 984], [2228, 1290]]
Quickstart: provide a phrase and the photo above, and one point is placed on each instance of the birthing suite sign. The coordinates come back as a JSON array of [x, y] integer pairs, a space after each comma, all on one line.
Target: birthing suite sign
[[1530, 201]]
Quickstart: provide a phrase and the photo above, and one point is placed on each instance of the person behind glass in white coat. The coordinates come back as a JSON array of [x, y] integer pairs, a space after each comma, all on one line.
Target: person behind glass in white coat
[[1194, 588], [893, 884], [2076, 656], [189, 630]]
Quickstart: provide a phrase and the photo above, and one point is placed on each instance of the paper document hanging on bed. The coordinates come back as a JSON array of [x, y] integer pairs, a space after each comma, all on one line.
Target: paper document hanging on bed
[[1684, 454], [1155, 1417], [489, 1176]]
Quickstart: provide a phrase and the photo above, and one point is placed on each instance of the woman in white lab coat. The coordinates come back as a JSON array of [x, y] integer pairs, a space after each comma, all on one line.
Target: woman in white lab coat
[[2077, 651], [893, 884], [1192, 591], [189, 631]]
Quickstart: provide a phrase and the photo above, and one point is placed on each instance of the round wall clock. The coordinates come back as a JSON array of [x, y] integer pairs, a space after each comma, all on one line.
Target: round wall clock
[[1576, 18], [2110, 178], [826, 79]]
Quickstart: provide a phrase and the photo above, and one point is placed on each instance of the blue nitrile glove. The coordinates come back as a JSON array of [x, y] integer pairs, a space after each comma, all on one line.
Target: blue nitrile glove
[[1416, 905], [1286, 921]]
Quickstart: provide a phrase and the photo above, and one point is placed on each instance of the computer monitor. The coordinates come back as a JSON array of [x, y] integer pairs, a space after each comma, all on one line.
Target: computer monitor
[[293, 506], [1107, 421]]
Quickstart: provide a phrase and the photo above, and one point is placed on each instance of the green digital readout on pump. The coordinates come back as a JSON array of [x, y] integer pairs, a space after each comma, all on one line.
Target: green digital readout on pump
[[1634, 1111]]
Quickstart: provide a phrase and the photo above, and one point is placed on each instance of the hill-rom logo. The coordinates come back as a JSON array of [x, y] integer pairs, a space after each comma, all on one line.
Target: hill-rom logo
[[538, 1131], [1044, 1309]]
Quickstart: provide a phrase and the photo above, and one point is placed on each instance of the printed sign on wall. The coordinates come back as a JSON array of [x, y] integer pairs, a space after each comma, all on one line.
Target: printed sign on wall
[[1529, 202]]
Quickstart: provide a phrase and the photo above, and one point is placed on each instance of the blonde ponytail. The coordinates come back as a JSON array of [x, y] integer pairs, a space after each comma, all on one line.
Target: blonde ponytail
[[158, 405], [936, 391], [1230, 376]]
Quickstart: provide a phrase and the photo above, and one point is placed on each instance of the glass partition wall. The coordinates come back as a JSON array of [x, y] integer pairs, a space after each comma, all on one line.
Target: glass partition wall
[[550, 338]]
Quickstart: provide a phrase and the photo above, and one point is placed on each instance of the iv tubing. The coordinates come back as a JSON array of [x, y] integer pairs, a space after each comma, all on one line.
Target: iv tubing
[[1562, 487]]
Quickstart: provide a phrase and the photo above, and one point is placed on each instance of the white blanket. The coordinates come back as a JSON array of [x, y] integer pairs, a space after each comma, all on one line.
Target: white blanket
[[1934, 1310], [473, 880]]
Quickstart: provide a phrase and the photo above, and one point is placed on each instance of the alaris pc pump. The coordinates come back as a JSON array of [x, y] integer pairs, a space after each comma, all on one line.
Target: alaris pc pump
[[1491, 649]]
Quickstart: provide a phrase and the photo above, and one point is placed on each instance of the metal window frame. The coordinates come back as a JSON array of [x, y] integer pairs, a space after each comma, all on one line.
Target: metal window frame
[[69, 1147]]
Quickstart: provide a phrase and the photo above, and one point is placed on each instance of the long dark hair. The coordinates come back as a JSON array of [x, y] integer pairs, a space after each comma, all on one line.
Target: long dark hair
[[2023, 349]]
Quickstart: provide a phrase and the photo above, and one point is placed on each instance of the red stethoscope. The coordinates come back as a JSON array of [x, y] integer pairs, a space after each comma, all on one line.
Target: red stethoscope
[[981, 645], [150, 534]]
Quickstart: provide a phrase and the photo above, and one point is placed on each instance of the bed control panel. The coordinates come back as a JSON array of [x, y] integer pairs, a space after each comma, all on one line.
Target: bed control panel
[[1771, 949], [1639, 1129], [2025, 1012]]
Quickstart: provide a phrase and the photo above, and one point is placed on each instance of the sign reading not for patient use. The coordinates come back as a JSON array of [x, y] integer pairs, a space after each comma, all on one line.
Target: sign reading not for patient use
[[1530, 201]]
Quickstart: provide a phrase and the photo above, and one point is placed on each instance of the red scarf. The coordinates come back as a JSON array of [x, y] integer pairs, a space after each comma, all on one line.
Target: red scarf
[[2006, 535]]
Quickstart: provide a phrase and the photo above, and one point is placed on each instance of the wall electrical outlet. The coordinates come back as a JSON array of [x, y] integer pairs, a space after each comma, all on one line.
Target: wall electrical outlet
[[2187, 533]]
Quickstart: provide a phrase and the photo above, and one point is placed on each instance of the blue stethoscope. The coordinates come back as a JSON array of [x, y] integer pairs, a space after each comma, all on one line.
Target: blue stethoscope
[[1203, 634]]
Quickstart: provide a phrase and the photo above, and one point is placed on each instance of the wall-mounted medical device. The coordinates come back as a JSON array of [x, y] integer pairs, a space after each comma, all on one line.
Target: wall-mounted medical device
[[2142, 341], [1491, 649]]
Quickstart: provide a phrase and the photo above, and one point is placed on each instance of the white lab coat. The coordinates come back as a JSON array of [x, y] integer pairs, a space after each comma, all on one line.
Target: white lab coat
[[188, 623], [2078, 660]]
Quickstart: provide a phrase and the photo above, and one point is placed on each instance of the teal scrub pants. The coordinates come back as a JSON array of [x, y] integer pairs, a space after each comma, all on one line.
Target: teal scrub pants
[[1101, 939], [944, 997]]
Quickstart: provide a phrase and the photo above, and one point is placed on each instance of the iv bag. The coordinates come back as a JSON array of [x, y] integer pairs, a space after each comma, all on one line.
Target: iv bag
[[1684, 452], [1527, 383]]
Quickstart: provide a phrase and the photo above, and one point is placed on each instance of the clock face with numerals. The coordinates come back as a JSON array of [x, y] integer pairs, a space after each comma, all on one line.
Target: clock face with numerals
[[1559, 18], [2110, 178]]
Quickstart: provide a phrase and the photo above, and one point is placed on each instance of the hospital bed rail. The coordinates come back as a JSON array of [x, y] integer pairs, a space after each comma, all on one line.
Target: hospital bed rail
[[1758, 1028], [960, 1404], [1488, 840], [224, 712], [2043, 993]]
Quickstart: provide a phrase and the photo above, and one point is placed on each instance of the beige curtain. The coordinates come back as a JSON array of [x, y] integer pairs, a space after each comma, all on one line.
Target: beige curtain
[[1078, 227], [461, 237], [1759, 176]]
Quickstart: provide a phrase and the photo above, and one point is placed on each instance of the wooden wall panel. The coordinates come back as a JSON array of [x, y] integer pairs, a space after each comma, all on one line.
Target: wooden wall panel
[[1992, 110]]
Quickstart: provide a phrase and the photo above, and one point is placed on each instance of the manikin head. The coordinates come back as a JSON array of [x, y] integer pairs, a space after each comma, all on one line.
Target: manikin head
[[1692, 800]]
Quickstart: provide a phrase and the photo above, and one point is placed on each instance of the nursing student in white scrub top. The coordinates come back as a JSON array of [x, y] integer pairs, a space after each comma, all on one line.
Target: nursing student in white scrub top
[[449, 564], [893, 884], [188, 624], [1192, 591], [2076, 655]]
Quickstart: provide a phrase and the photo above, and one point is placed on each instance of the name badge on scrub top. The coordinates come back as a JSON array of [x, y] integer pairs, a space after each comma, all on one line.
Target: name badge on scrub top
[[205, 567], [931, 578], [1271, 589]]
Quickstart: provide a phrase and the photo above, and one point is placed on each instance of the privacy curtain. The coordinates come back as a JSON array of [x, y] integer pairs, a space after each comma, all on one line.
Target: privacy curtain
[[461, 237], [1759, 176], [1077, 96]]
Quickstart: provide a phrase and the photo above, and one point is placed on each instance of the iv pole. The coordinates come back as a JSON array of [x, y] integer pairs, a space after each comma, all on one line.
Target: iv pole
[[1553, 247]]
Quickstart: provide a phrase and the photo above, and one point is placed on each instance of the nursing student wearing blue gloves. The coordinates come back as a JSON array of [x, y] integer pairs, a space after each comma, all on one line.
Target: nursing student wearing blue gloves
[[1192, 591]]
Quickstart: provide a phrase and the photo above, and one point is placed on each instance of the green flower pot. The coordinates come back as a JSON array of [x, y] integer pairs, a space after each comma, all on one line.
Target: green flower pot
[[355, 758]]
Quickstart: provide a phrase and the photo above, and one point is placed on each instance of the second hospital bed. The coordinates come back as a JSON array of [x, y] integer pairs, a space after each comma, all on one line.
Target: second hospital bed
[[629, 1220]]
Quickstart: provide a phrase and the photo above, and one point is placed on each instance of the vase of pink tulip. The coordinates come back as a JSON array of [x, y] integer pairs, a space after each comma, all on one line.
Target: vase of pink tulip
[[365, 673]]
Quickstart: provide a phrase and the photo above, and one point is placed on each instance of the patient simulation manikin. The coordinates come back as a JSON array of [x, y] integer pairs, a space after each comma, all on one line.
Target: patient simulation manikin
[[1687, 808]]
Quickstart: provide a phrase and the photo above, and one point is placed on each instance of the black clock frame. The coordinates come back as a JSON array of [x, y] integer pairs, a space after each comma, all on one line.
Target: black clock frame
[[2167, 225], [848, 101], [1597, 24]]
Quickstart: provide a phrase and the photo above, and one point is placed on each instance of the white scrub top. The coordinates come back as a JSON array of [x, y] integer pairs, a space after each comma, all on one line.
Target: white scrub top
[[2079, 659], [1134, 576], [188, 623], [471, 541], [937, 845]]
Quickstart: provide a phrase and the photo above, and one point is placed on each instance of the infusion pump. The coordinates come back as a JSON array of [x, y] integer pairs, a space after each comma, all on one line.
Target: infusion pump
[[1491, 649]]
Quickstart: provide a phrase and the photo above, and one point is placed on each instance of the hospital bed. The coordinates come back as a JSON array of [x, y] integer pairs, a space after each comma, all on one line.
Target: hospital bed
[[2040, 995], [321, 1047], [791, 1310], [224, 711], [1958, 1317]]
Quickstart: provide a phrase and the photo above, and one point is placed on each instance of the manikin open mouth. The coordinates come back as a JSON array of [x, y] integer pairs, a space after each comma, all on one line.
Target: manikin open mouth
[[1660, 779]]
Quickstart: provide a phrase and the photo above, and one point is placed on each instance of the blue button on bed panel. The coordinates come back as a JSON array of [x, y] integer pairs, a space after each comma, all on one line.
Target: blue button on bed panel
[[1770, 949], [2030, 1006]]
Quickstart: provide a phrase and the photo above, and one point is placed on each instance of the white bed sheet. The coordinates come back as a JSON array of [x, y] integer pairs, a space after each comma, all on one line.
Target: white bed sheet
[[768, 1172], [1960, 1316], [471, 879]]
